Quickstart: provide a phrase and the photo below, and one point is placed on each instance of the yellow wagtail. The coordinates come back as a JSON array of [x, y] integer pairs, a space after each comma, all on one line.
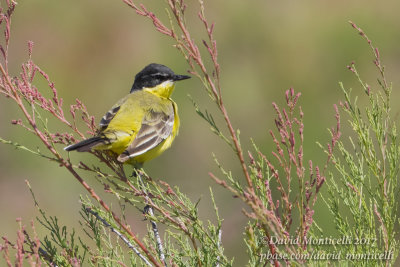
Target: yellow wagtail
[[144, 123]]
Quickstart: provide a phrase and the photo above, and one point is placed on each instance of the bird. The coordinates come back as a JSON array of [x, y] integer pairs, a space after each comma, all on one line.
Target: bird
[[143, 124]]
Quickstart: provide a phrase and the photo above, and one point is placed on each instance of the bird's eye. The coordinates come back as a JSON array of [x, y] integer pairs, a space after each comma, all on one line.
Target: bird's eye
[[159, 76]]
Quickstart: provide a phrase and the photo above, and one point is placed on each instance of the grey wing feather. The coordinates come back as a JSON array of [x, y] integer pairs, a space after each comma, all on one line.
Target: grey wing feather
[[156, 127], [108, 117], [111, 114]]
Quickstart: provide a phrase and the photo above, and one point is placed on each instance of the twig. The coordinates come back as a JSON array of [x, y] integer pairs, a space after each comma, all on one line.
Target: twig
[[157, 237], [178, 223], [219, 245], [154, 227], [123, 238]]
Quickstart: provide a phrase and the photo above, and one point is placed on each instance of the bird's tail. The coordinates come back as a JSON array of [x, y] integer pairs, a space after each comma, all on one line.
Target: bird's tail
[[86, 145]]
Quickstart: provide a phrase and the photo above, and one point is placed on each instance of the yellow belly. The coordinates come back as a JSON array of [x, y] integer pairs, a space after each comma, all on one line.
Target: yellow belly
[[153, 153]]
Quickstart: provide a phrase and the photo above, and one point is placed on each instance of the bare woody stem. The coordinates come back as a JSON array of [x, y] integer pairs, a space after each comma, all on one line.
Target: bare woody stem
[[153, 223], [123, 238], [239, 150], [178, 224], [194, 51]]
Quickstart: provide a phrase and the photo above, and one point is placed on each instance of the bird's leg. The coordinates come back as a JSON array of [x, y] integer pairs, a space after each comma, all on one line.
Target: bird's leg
[[135, 173], [137, 170]]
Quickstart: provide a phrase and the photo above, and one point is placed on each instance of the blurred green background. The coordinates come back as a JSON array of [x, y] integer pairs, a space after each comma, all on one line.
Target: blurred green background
[[93, 49]]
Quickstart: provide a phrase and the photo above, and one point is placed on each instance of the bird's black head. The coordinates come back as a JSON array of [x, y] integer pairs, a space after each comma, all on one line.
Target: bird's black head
[[153, 75]]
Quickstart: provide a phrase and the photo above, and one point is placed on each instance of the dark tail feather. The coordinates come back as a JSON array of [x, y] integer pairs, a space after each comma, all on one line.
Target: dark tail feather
[[85, 145]]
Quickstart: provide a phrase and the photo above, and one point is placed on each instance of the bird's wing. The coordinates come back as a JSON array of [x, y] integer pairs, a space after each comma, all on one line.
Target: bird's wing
[[111, 114], [156, 127]]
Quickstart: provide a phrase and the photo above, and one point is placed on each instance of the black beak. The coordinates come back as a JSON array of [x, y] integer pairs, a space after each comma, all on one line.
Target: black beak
[[180, 77]]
